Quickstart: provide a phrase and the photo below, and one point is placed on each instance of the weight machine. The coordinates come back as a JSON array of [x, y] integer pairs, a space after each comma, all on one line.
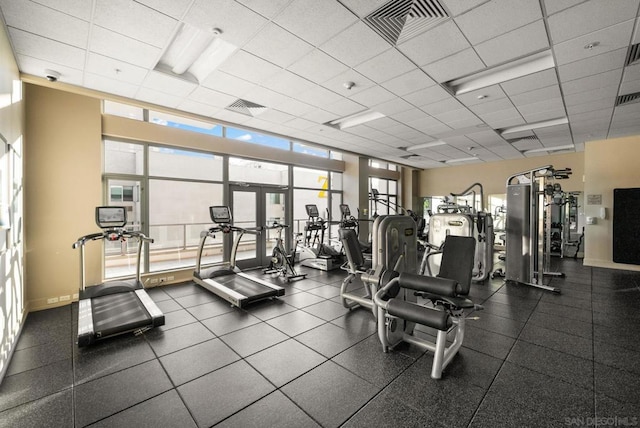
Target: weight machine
[[529, 199]]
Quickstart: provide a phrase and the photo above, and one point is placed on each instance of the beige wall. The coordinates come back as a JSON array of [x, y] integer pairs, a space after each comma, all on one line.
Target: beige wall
[[609, 164], [63, 187], [493, 176], [12, 286]]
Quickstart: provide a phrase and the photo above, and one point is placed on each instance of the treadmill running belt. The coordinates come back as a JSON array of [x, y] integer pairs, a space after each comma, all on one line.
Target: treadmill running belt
[[118, 313], [245, 286]]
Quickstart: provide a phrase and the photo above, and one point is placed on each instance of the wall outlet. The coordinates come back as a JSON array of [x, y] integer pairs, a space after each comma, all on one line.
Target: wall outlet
[[52, 300], [65, 298], [163, 279], [171, 278], [154, 280]]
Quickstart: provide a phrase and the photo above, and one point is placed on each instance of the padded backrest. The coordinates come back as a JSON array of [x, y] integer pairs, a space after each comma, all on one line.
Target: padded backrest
[[351, 247], [457, 260]]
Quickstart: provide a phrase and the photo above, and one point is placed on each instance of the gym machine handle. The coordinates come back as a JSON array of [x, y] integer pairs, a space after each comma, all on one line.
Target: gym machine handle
[[103, 235]]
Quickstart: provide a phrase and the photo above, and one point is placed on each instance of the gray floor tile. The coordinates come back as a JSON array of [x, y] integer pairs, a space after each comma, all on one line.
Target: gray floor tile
[[231, 388], [329, 393], [229, 322], [295, 322], [254, 338], [329, 339], [55, 410], [165, 342]]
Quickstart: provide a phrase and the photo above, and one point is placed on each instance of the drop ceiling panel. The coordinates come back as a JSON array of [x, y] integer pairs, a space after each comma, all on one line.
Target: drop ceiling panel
[[456, 65], [287, 83], [114, 69], [174, 8], [437, 43], [491, 106], [29, 44], [481, 96], [318, 67], [223, 82], [408, 83], [157, 97], [363, 7], [555, 6], [395, 105], [590, 106], [594, 81], [168, 84], [503, 118], [294, 107], [278, 46], [608, 39], [336, 83], [456, 7], [318, 96], [355, 45], [319, 116], [110, 86], [514, 44], [211, 97], [109, 43], [426, 96], [268, 9], [78, 8], [249, 67], [36, 66], [385, 66], [372, 96], [497, 17], [589, 17], [238, 23], [37, 19], [442, 106], [600, 93], [528, 83], [265, 97], [315, 21], [536, 96], [124, 17], [198, 108], [593, 65]]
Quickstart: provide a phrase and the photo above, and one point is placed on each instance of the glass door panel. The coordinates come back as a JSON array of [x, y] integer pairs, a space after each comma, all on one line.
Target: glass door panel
[[245, 215], [274, 211], [120, 256]]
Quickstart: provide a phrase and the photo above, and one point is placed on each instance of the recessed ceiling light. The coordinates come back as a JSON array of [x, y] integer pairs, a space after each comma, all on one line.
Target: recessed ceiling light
[[502, 73], [482, 97], [534, 125], [550, 149], [461, 160], [426, 145], [355, 119]]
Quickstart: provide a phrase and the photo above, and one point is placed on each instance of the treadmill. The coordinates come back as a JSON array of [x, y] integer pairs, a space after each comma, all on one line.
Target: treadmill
[[226, 279], [119, 306]]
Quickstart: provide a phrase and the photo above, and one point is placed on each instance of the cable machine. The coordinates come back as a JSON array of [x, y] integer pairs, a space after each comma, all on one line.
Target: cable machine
[[528, 240]]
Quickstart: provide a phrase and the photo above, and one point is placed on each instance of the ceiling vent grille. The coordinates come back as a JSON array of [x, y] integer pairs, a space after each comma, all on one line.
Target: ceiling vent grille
[[399, 20], [526, 138], [246, 107], [410, 156], [628, 99], [633, 55]]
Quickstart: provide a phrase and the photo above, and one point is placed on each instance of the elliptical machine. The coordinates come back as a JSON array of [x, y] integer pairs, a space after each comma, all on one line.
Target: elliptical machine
[[315, 253], [282, 262]]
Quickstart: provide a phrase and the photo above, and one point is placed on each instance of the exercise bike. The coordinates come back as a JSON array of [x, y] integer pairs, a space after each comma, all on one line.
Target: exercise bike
[[281, 262]]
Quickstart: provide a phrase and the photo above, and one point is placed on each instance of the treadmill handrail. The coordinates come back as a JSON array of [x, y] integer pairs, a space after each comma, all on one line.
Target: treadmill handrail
[[106, 234]]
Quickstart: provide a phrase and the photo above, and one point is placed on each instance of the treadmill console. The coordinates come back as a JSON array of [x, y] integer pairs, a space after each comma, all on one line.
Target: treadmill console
[[312, 210], [220, 214], [110, 217]]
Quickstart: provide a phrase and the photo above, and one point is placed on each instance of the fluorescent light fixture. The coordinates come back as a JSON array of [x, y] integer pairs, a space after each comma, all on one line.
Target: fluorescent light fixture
[[196, 52], [535, 125], [461, 160], [426, 145], [355, 119], [502, 73], [550, 149]]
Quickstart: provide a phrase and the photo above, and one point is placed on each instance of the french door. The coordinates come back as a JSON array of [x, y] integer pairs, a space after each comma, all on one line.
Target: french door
[[254, 207]]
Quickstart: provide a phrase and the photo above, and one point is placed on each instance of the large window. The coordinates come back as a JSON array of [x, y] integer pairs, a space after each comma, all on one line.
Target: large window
[[383, 196], [168, 162], [178, 212], [173, 121], [123, 158], [251, 171], [257, 138]]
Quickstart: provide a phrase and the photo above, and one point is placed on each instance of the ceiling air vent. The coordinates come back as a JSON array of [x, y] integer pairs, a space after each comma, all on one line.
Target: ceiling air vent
[[633, 55], [246, 107], [411, 156], [628, 99], [399, 20], [526, 138]]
